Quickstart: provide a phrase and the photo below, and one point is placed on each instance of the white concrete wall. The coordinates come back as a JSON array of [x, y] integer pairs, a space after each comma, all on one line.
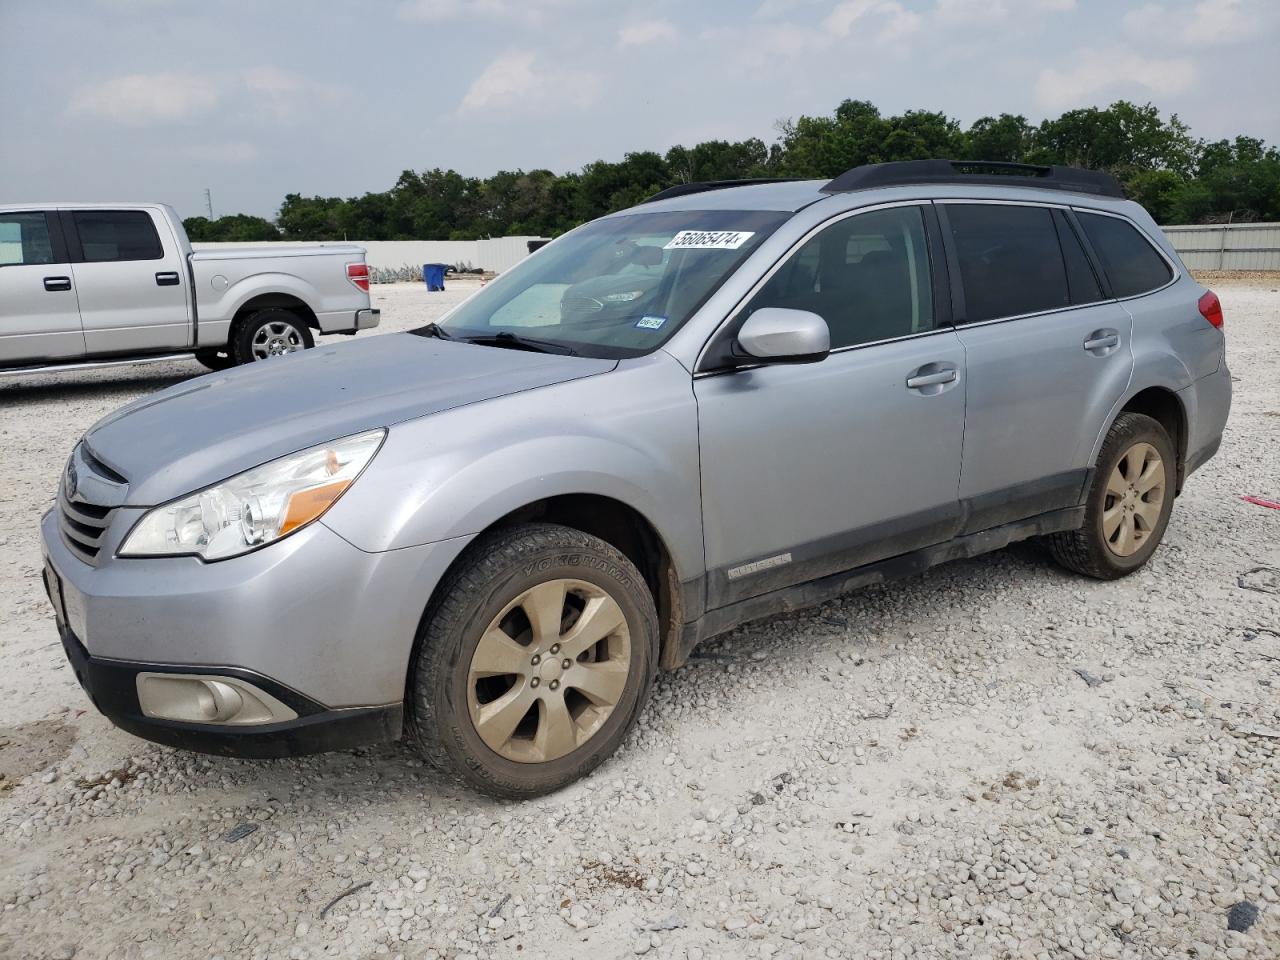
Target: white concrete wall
[[496, 255]]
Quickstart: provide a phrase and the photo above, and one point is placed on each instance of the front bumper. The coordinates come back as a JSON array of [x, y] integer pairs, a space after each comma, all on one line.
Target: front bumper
[[315, 622], [112, 685]]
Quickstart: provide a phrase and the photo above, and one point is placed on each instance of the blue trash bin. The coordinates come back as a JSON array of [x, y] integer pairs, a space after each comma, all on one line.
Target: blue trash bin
[[433, 275]]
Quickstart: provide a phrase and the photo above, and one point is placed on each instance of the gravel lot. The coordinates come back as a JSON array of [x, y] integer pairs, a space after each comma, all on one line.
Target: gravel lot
[[994, 760]]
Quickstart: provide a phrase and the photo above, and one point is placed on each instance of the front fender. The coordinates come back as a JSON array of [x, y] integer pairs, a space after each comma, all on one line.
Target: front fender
[[456, 473]]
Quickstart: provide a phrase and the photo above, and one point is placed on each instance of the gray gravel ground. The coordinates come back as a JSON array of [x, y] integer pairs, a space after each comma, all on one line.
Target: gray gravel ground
[[994, 760]]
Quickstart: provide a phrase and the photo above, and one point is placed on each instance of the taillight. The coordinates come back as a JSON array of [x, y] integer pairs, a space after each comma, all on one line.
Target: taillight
[[358, 273], [1211, 308]]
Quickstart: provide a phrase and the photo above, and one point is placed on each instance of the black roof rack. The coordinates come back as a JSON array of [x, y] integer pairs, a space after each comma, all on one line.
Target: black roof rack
[[986, 172], [684, 189]]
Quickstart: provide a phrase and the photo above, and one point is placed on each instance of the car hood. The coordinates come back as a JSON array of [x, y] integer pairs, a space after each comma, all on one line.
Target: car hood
[[207, 429]]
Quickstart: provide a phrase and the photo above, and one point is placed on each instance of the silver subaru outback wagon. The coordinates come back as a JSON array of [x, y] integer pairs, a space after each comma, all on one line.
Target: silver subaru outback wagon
[[488, 535]]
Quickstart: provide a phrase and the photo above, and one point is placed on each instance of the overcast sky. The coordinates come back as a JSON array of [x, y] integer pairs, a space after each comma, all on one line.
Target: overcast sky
[[159, 99]]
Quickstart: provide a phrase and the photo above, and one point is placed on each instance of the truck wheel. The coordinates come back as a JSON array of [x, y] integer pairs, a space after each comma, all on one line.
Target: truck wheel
[[271, 332], [534, 662], [215, 359], [1129, 502]]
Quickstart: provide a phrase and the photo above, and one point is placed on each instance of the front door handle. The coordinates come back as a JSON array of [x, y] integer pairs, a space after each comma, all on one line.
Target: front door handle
[[934, 379], [53, 284], [1102, 340], [166, 279]]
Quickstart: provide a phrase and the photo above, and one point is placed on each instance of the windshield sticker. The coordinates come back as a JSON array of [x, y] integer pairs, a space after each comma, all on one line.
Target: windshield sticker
[[709, 240], [651, 323]]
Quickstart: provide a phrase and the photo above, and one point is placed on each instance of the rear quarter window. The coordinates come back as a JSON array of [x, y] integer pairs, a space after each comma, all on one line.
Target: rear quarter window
[[1131, 263]]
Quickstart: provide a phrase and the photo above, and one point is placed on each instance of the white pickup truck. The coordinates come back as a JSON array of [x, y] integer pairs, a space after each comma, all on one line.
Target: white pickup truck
[[100, 284]]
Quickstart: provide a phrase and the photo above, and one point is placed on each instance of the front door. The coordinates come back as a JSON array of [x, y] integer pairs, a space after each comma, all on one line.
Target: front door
[[132, 278], [812, 469], [39, 314]]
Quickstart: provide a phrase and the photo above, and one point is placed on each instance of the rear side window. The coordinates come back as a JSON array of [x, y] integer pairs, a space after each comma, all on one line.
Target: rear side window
[[1010, 260], [1081, 281], [24, 239], [866, 275], [1131, 263], [108, 236]]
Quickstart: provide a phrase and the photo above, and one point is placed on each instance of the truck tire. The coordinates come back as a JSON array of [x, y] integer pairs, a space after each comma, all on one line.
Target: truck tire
[[1128, 505], [270, 332], [215, 359], [533, 663]]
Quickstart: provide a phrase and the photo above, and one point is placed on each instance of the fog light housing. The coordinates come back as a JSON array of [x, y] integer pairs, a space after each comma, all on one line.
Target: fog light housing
[[204, 698]]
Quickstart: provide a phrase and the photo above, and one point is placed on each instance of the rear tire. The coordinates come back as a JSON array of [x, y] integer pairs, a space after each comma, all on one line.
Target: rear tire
[[1129, 502], [490, 700], [269, 333]]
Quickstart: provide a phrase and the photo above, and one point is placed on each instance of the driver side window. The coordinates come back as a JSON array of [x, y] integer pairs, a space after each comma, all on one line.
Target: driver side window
[[866, 275]]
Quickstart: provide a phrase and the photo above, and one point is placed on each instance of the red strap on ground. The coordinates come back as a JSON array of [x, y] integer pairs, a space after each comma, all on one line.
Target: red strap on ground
[[1261, 502]]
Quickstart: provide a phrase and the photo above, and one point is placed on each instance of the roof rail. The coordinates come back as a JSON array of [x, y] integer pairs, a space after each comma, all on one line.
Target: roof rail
[[684, 189], [986, 172]]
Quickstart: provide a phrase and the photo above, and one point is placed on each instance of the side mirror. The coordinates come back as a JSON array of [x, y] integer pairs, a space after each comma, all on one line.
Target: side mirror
[[782, 335]]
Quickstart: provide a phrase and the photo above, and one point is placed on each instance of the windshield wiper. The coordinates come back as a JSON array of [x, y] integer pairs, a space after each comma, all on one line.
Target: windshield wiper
[[432, 330], [512, 341]]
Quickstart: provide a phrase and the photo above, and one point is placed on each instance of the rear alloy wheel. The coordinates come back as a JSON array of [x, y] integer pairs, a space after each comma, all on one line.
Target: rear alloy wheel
[[266, 334], [1129, 502], [535, 661]]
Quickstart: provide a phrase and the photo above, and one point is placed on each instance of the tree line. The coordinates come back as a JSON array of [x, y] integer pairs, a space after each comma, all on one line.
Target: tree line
[[1177, 177]]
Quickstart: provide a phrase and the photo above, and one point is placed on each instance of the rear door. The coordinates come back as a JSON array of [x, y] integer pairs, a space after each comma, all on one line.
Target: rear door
[[132, 278], [39, 315], [1048, 353], [811, 469]]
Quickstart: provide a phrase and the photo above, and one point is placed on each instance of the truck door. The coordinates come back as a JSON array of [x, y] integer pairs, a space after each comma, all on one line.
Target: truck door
[[132, 280], [39, 316]]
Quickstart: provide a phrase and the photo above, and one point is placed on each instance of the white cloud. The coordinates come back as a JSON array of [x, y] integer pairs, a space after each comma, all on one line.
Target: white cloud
[[141, 99], [1115, 69], [645, 32], [518, 77], [1197, 24], [439, 11], [894, 21]]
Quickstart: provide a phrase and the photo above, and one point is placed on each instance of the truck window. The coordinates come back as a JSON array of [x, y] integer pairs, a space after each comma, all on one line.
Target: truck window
[[24, 239], [113, 235]]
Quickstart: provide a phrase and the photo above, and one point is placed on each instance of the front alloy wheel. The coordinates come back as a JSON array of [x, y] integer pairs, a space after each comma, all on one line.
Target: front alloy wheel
[[534, 661]]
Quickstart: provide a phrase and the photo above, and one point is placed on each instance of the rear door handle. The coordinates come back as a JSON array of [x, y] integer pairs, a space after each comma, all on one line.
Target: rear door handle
[[1102, 340], [931, 379], [166, 279], [53, 284]]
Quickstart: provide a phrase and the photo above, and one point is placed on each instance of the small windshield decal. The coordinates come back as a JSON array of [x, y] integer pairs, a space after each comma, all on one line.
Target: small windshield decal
[[709, 240], [651, 323]]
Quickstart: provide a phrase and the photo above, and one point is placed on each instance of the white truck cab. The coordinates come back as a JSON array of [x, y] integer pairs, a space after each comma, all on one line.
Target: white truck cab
[[107, 283]]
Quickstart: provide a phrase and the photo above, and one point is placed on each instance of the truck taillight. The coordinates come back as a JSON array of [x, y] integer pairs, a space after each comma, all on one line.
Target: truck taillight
[[358, 273], [1211, 308]]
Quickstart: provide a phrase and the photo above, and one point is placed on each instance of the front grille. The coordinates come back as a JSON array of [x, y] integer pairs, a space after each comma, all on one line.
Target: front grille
[[83, 523], [83, 526]]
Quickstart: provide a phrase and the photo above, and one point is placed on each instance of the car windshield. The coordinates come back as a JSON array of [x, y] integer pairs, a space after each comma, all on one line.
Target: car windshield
[[618, 287]]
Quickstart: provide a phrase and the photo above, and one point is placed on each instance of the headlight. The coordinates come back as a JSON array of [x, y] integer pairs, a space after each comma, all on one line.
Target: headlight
[[255, 507]]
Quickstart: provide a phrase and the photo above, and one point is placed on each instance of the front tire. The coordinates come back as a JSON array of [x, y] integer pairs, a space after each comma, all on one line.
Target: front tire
[[269, 333], [1129, 502], [534, 663]]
